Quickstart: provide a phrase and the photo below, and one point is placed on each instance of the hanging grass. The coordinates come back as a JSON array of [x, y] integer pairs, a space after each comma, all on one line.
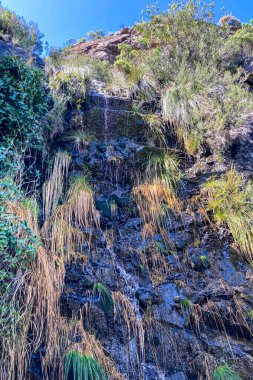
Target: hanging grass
[[82, 367], [155, 191], [232, 206], [35, 291], [125, 310], [53, 187], [225, 372], [59, 231]]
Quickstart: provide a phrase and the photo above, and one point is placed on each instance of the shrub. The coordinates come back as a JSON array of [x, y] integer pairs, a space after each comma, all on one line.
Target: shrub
[[244, 36], [94, 35], [106, 296], [73, 85], [191, 63], [23, 104], [82, 39]]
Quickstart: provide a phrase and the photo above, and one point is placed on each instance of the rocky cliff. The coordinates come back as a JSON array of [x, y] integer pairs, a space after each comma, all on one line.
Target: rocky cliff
[[177, 309], [126, 252]]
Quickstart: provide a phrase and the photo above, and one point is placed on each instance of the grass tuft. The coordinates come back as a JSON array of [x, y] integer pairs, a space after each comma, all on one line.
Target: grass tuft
[[225, 372], [232, 206], [82, 367]]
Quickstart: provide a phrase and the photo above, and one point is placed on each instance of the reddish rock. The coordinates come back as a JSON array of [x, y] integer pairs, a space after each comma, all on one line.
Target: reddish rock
[[106, 48]]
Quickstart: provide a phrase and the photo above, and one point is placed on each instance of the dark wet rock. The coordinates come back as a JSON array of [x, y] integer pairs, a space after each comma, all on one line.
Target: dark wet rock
[[217, 291], [180, 239], [228, 270], [147, 298], [202, 267], [133, 223], [177, 376], [95, 320], [198, 258], [104, 206], [166, 311]]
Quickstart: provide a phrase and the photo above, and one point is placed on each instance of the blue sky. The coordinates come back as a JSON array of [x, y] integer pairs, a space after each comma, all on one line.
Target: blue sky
[[63, 19]]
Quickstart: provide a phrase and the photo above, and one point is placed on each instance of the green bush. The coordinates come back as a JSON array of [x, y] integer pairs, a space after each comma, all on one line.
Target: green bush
[[94, 35], [244, 37], [189, 72], [23, 103], [73, 85]]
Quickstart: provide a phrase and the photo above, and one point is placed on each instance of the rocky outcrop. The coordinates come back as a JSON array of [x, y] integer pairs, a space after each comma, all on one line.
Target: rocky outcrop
[[7, 48], [106, 48]]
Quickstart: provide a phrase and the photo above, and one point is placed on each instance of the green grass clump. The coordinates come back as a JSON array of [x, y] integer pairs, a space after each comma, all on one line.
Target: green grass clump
[[165, 167], [82, 367], [186, 304], [79, 139], [232, 206], [225, 372], [102, 291]]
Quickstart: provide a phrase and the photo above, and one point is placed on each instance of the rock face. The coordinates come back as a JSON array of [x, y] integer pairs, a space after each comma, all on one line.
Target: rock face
[[106, 48], [180, 321], [7, 48], [173, 319]]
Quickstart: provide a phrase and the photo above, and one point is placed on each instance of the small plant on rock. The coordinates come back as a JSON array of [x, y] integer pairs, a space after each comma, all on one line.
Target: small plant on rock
[[79, 139], [225, 372]]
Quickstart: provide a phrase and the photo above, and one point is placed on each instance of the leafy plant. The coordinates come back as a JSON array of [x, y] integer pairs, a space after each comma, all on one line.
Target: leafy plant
[[82, 367], [225, 372], [23, 102], [71, 83]]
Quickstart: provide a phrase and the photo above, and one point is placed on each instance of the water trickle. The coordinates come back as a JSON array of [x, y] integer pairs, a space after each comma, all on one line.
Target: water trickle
[[106, 119], [131, 287]]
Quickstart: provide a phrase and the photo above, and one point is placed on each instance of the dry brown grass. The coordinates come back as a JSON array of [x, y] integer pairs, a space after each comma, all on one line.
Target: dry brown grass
[[59, 231], [152, 199], [53, 187], [88, 345], [37, 293], [123, 308]]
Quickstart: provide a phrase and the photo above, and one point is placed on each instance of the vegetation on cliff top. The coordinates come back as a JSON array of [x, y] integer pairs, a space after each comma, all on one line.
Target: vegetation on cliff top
[[21, 32], [185, 83]]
